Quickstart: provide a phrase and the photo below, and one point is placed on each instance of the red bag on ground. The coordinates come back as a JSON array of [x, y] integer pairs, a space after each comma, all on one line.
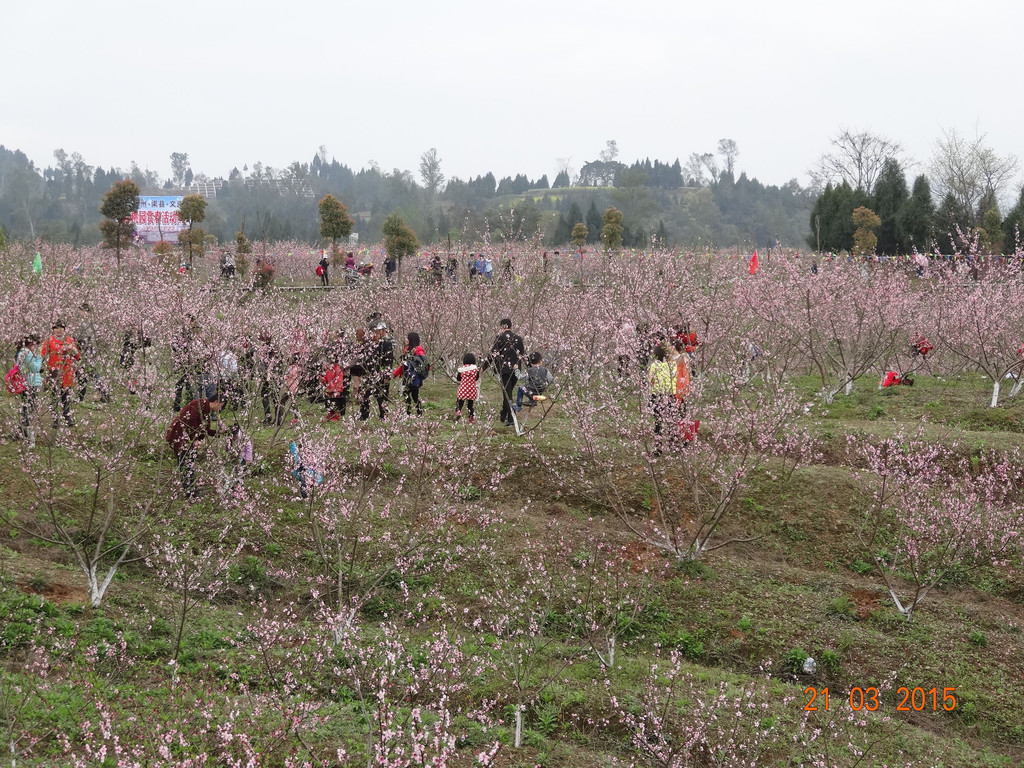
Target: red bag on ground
[[891, 379]]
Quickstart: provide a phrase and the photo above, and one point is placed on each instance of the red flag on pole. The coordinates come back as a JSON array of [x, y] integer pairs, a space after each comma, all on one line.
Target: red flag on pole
[[754, 265]]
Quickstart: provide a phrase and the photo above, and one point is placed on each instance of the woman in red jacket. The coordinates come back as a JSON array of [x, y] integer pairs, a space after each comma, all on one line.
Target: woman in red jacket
[[60, 353]]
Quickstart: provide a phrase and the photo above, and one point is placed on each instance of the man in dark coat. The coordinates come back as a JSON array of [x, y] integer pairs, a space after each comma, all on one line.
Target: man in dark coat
[[506, 356], [377, 367]]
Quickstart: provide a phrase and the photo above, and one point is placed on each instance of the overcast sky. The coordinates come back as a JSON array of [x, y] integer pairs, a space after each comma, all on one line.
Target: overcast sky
[[502, 87]]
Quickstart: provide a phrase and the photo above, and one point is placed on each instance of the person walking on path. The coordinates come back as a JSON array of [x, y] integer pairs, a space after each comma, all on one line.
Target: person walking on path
[[506, 356], [61, 353], [192, 424]]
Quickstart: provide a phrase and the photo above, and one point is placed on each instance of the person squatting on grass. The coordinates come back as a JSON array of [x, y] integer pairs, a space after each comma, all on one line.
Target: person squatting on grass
[[192, 424], [537, 380]]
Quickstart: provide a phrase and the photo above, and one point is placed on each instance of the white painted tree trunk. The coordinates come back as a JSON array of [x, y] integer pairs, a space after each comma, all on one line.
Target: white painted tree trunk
[[519, 725], [848, 388], [995, 395], [98, 588]]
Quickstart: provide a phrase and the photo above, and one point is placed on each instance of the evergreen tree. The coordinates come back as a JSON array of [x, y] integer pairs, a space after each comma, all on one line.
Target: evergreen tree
[[916, 217], [399, 239], [832, 217], [562, 231], [890, 195], [593, 222], [662, 234], [561, 180], [950, 217], [1013, 226], [611, 232], [992, 231], [575, 216], [580, 235]]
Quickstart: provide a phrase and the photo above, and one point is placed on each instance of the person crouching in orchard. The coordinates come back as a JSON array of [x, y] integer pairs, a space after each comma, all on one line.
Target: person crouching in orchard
[[192, 424], [661, 376], [61, 353], [537, 380]]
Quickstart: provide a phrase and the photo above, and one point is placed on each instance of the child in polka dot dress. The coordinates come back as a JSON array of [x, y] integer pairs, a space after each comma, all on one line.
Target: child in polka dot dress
[[467, 376]]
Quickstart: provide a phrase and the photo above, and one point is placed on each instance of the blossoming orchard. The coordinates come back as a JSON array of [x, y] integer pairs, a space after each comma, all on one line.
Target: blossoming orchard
[[581, 509]]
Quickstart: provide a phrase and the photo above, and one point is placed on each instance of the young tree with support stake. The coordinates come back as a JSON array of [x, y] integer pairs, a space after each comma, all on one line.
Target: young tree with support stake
[[335, 222], [118, 206], [399, 240], [192, 210]]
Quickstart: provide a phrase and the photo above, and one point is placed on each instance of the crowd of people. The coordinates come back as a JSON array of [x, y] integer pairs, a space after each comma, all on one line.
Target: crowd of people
[[62, 366], [260, 374]]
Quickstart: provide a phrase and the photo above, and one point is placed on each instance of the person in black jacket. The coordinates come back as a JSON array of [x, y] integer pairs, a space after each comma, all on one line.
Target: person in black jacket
[[324, 265], [377, 366], [506, 356]]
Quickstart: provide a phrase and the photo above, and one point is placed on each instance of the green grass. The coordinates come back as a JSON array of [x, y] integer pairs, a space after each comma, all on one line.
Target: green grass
[[804, 587]]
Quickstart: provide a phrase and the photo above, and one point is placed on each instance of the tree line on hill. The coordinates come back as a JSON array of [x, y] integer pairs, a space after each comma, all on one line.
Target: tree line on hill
[[865, 171], [663, 203], [704, 202]]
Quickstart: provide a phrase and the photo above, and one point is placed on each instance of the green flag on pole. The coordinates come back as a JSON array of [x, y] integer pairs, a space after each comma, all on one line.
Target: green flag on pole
[[37, 264]]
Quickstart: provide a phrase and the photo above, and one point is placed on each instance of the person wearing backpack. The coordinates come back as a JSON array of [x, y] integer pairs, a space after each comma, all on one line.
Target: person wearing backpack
[[30, 368], [506, 356], [413, 370], [537, 379], [321, 269], [61, 353]]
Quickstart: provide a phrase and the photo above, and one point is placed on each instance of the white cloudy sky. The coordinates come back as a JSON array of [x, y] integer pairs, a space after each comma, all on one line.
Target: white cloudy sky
[[505, 87]]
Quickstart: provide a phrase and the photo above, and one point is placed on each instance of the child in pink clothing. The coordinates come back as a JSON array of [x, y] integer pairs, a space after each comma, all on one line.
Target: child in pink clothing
[[466, 377]]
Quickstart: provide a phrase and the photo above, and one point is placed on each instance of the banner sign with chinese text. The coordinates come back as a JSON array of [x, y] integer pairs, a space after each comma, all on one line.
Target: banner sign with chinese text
[[157, 218]]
